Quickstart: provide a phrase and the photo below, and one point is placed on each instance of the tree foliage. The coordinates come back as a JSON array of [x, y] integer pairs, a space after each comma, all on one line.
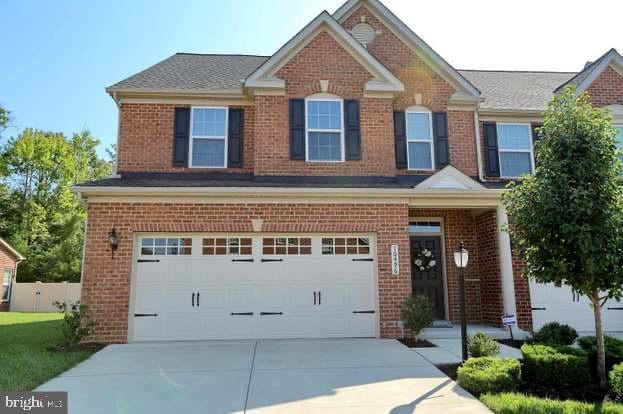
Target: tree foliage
[[567, 218], [39, 214]]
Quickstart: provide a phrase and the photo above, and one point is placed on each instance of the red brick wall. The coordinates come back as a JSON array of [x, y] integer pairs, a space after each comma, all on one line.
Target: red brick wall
[[462, 141], [106, 281], [489, 266], [607, 89], [522, 294], [146, 139], [460, 224]]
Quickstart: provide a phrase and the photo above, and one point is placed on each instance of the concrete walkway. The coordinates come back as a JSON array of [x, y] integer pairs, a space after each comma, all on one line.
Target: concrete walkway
[[268, 377], [448, 351]]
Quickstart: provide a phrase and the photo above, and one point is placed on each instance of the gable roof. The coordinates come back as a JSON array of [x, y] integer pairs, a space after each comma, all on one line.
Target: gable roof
[[264, 76], [449, 178], [468, 90], [193, 72], [7, 247], [516, 90], [583, 79]]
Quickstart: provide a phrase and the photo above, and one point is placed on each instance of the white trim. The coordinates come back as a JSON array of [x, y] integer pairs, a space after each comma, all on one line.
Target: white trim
[[611, 58], [506, 263], [263, 77], [441, 181], [531, 151], [11, 250], [333, 131], [410, 39], [192, 136], [430, 141]]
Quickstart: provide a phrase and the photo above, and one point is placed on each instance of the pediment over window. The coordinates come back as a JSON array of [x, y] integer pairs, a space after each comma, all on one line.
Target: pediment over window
[[449, 178]]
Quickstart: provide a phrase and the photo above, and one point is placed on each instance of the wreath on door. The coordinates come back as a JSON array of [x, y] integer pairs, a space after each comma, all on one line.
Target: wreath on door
[[424, 260]]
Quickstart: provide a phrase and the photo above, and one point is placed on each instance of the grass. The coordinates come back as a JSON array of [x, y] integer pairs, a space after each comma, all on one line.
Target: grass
[[512, 403], [25, 361]]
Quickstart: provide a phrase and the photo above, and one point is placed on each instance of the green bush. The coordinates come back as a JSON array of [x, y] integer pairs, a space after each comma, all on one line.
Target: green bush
[[417, 313], [511, 403], [555, 334], [555, 367], [614, 350], [482, 345], [489, 374], [77, 322], [616, 381]]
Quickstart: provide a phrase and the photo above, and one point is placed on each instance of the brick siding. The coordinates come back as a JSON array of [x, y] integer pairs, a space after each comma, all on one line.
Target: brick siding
[[607, 89], [6, 261]]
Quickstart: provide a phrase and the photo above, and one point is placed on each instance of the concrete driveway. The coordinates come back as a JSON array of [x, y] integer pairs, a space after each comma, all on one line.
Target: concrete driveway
[[289, 376]]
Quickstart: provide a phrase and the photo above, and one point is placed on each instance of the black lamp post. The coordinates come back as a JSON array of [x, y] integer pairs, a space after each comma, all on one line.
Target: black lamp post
[[460, 259]]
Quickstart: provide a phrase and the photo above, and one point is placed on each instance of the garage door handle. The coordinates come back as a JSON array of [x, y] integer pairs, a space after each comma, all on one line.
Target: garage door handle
[[140, 315], [368, 311], [241, 314], [314, 297], [241, 260], [148, 261], [270, 313], [193, 299], [539, 308], [615, 308], [319, 298], [272, 260], [363, 260], [197, 298]]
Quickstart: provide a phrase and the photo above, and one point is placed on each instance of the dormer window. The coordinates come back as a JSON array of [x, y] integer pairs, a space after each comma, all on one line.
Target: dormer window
[[515, 149], [419, 140], [324, 129]]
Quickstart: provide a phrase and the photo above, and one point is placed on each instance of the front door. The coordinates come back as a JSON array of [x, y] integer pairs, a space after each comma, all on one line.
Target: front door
[[426, 271]]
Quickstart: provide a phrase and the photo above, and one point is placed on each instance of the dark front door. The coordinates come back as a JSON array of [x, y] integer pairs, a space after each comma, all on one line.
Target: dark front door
[[428, 282]]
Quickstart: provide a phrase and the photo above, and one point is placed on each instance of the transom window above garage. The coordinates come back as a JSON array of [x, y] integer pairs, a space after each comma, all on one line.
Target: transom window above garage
[[221, 246], [345, 245], [286, 245], [166, 246]]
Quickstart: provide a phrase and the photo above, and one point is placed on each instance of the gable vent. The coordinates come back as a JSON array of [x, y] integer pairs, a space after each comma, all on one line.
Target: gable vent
[[364, 33]]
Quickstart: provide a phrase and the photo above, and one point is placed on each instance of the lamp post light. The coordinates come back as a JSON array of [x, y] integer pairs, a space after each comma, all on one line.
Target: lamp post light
[[461, 256], [113, 241]]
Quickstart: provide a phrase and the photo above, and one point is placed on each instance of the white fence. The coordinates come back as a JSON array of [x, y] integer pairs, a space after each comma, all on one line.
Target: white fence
[[39, 297]]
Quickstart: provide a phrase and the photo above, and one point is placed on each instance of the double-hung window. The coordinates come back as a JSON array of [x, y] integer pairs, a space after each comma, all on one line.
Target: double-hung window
[[208, 143], [619, 139], [6, 284], [515, 150], [325, 133], [420, 140]]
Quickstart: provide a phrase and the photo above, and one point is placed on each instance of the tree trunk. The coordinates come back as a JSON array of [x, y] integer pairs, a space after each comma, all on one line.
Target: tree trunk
[[599, 335]]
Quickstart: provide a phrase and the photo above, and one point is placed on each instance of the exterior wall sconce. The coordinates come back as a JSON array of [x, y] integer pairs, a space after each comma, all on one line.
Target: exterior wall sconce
[[113, 241]]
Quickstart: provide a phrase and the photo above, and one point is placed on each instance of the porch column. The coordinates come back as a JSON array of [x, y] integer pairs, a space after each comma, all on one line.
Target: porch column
[[506, 263]]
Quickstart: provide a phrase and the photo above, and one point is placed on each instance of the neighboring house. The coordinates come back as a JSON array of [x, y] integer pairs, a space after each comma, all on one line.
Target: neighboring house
[[288, 196], [9, 259]]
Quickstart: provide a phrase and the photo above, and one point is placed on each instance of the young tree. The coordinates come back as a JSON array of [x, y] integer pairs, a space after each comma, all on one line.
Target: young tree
[[567, 218]]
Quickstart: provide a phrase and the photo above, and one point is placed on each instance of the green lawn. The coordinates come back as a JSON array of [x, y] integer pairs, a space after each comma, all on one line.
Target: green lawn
[[25, 362]]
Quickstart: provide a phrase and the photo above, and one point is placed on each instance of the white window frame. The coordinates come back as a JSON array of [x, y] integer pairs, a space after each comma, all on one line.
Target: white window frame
[[430, 141], [333, 131], [192, 136], [10, 285], [531, 151]]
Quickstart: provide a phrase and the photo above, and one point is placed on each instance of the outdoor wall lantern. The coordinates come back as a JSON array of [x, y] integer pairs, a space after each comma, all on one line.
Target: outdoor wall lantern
[[461, 256], [113, 240]]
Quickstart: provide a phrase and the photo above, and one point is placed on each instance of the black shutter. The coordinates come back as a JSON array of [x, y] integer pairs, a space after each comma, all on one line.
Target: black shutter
[[234, 137], [352, 130], [440, 132], [400, 139], [181, 136], [297, 129], [491, 144]]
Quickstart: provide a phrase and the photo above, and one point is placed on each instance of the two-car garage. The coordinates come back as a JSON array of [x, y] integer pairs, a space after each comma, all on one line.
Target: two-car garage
[[238, 286]]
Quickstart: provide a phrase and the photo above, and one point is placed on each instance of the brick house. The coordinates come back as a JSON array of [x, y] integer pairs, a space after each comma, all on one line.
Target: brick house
[[292, 195], [9, 259]]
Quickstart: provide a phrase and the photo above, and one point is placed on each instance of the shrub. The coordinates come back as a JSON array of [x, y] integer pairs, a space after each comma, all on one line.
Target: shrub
[[77, 322], [511, 403], [555, 367], [614, 350], [417, 313], [616, 381], [489, 374], [555, 334], [482, 345]]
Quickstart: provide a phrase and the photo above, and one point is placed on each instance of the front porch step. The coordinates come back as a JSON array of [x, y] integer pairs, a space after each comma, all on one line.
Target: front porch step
[[454, 332]]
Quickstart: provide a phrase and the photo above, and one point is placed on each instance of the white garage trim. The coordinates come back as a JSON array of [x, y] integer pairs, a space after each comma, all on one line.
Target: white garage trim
[[357, 287]]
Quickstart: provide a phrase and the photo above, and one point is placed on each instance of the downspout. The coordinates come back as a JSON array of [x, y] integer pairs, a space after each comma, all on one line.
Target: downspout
[[114, 170], [478, 149]]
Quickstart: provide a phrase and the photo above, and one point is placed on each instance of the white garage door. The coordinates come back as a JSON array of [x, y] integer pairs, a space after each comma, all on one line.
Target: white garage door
[[558, 304], [191, 287]]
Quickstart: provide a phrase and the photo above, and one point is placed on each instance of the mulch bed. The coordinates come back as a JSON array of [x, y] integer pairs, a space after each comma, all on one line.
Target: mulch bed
[[419, 343], [86, 346], [449, 369], [515, 343]]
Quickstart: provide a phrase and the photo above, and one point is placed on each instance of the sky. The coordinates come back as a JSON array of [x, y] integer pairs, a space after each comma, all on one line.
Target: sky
[[58, 56]]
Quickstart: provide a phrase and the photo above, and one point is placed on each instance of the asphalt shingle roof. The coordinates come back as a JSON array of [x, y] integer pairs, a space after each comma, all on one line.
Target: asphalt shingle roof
[[195, 71], [516, 90]]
